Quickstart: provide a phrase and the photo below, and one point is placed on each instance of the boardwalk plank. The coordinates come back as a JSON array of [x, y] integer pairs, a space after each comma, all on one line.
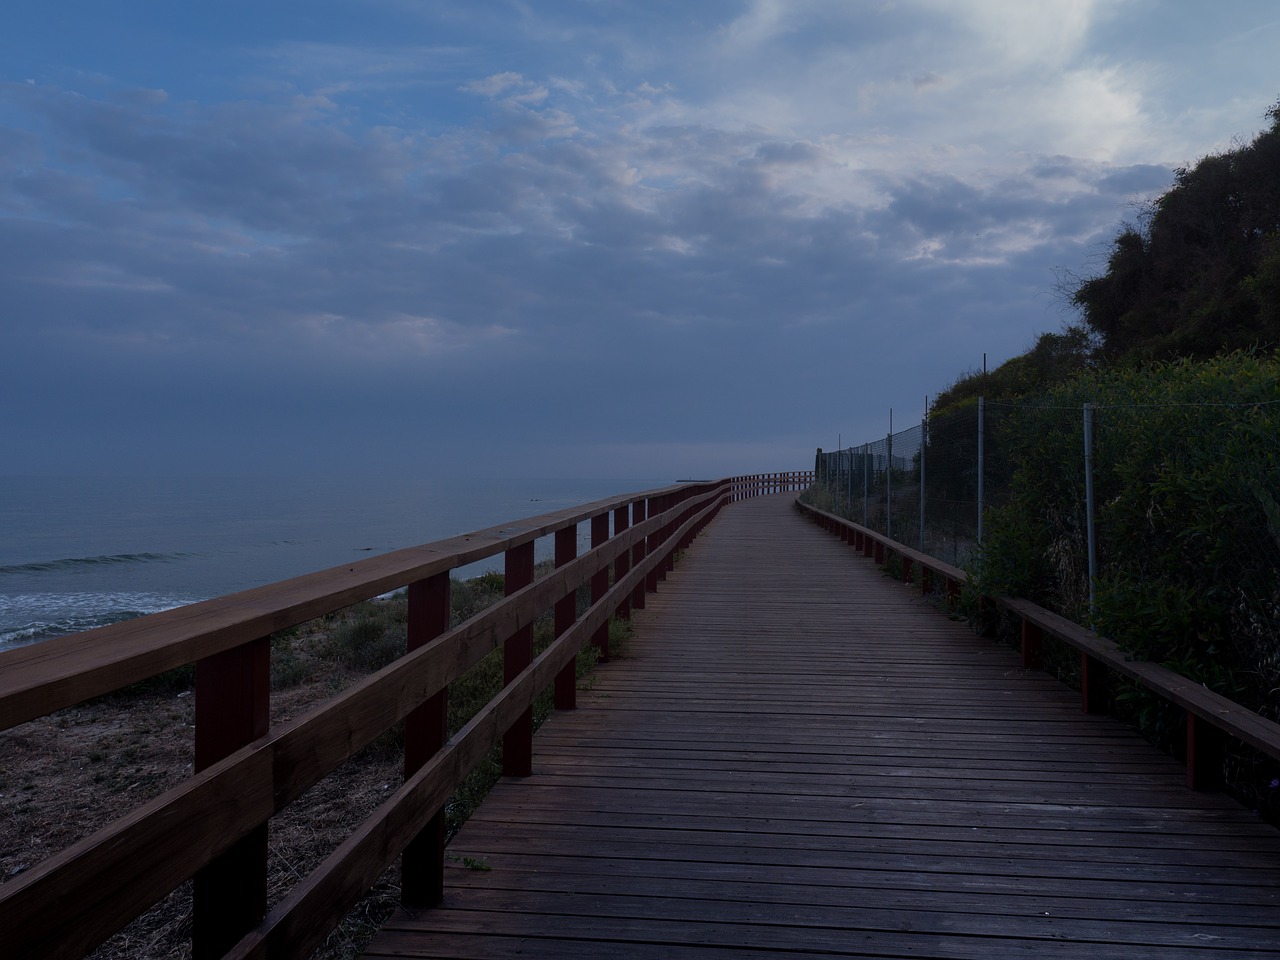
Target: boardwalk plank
[[798, 756]]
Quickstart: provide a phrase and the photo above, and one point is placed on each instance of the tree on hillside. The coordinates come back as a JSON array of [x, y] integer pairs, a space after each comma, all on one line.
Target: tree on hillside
[[1054, 358], [1201, 274]]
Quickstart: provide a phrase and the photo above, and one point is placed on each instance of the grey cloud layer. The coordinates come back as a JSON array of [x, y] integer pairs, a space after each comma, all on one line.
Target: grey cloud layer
[[282, 237]]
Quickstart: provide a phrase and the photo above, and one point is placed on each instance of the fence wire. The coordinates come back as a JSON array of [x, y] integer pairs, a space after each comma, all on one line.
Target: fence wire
[[1167, 523]]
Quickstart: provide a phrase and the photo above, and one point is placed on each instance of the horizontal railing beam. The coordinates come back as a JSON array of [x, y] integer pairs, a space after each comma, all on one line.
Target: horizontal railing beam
[[292, 928], [1213, 709], [41, 678], [86, 892]]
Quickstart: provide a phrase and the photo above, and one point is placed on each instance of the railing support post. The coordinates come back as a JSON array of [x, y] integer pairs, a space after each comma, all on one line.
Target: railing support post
[[425, 731], [517, 742], [669, 562], [566, 696], [1205, 745], [1032, 646], [639, 511], [600, 582], [1093, 685], [622, 563], [233, 690]]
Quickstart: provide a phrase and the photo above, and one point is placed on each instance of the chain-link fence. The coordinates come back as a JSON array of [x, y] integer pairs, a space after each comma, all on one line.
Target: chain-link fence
[[1157, 523], [922, 486]]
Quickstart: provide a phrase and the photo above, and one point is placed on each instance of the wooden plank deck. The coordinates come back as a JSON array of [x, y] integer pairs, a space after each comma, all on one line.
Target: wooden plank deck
[[800, 757]]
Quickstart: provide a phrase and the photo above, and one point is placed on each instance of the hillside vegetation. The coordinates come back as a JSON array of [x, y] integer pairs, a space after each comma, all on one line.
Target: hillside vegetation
[[1176, 348], [1197, 275]]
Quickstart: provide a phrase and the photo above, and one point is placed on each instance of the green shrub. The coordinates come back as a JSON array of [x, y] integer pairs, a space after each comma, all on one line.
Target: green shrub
[[1186, 480]]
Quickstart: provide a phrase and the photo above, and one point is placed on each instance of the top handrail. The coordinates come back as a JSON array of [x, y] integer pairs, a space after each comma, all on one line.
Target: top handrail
[[1099, 655], [212, 825], [43, 677]]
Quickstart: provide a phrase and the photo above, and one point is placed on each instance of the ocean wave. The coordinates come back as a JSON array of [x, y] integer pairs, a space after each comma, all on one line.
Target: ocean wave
[[35, 617], [46, 566]]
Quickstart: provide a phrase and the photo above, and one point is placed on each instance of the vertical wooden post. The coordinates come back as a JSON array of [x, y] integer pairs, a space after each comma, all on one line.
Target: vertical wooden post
[[1093, 685], [660, 540], [689, 512], [639, 511], [517, 653], [669, 531], [908, 570], [566, 612], [926, 581], [1032, 646], [233, 701], [622, 563], [879, 551], [1205, 749], [425, 731], [600, 582]]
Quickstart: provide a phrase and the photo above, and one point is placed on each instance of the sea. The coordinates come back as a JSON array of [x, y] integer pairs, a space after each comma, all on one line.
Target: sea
[[78, 553]]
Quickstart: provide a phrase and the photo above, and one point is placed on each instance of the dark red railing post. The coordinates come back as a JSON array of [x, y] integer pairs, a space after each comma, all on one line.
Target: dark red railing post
[[639, 511], [669, 531], [688, 513], [517, 653], [1093, 685], [622, 563], [908, 570], [600, 582], [1205, 754], [425, 731], [658, 506], [233, 706], [1032, 646], [566, 612]]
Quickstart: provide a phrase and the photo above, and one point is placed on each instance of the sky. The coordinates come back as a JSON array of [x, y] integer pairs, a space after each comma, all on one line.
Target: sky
[[563, 239]]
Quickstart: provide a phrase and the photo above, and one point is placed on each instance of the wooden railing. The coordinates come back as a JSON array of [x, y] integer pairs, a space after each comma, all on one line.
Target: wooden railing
[[213, 826], [1210, 717]]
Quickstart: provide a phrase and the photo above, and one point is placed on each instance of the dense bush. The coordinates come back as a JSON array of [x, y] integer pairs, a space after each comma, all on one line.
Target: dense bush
[[1186, 481]]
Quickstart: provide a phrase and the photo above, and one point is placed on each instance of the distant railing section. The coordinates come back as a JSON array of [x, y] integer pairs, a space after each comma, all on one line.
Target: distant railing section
[[213, 826], [1210, 716], [761, 484]]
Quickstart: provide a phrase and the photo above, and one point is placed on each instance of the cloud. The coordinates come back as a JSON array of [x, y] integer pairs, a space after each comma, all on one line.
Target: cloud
[[755, 220]]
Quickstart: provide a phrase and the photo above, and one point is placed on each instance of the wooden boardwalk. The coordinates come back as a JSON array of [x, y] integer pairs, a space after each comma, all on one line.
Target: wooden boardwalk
[[798, 757]]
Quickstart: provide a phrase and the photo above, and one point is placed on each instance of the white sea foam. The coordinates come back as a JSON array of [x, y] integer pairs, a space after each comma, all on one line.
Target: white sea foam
[[39, 616]]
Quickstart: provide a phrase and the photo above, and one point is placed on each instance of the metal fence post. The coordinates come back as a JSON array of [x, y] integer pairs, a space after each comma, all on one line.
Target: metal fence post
[[888, 481], [982, 467], [865, 481], [849, 485], [1088, 499], [924, 437]]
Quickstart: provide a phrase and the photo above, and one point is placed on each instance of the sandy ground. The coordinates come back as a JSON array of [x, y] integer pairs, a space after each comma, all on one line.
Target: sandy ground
[[64, 776]]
